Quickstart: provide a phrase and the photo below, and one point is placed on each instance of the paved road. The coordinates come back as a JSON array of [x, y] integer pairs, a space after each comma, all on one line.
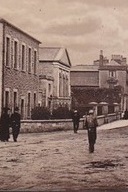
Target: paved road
[[60, 161]]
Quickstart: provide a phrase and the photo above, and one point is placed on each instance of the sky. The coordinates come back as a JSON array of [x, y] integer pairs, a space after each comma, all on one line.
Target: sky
[[83, 27]]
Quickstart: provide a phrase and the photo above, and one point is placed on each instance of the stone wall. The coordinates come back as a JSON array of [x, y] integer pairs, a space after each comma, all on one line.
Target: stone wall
[[31, 126]]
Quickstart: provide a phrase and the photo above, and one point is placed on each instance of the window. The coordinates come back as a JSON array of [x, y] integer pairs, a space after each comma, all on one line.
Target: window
[[29, 59], [22, 108], [15, 100], [112, 73], [6, 98], [64, 85], [15, 54], [29, 104], [8, 50], [60, 85], [34, 100], [67, 91], [35, 61], [23, 58]]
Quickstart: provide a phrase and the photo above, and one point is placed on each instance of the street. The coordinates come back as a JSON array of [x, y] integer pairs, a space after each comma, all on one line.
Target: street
[[60, 161]]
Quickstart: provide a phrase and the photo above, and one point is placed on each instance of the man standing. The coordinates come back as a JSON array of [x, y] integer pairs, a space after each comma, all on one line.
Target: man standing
[[4, 124], [75, 119], [15, 123], [91, 124]]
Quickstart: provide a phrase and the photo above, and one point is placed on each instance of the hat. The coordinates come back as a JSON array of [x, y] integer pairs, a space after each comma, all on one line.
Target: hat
[[91, 111], [75, 111]]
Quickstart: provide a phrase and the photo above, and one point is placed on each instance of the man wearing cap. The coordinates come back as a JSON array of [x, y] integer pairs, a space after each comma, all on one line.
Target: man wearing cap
[[91, 124], [15, 123], [75, 119]]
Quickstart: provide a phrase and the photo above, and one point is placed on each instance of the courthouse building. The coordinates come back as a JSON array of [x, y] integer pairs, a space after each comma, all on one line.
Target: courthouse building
[[19, 53], [54, 75]]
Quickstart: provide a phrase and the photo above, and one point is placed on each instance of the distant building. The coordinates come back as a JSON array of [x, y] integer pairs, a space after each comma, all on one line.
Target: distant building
[[105, 82], [113, 75], [83, 76], [54, 75], [19, 53]]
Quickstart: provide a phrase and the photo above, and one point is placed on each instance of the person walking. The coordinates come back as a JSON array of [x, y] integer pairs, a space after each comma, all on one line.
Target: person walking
[[126, 114], [75, 119], [4, 125], [91, 125], [15, 123]]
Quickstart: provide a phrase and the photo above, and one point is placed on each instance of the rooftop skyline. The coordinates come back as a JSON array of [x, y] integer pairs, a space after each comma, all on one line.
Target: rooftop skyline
[[83, 27]]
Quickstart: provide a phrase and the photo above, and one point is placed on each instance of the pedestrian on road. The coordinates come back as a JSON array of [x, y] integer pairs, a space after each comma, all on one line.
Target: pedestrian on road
[[91, 124], [75, 119], [15, 123], [126, 114], [4, 125]]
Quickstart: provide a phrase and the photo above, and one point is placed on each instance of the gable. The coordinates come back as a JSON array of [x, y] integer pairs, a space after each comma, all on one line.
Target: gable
[[64, 59]]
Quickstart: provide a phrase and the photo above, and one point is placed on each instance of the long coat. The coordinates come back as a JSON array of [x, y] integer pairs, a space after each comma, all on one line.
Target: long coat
[[4, 127], [15, 124], [91, 124]]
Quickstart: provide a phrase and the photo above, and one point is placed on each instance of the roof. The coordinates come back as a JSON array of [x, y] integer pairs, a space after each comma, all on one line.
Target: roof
[[54, 54], [113, 63], [84, 68], [48, 53], [18, 29]]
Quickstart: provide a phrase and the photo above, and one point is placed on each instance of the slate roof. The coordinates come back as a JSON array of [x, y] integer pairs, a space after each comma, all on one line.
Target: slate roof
[[54, 54], [113, 63], [18, 29], [48, 53]]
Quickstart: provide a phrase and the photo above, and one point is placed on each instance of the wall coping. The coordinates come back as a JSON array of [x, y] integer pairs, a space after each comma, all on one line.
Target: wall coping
[[61, 120]]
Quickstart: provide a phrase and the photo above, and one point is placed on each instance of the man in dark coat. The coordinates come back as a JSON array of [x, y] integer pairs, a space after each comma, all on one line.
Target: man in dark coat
[[91, 124], [75, 119], [4, 125], [15, 124], [126, 114]]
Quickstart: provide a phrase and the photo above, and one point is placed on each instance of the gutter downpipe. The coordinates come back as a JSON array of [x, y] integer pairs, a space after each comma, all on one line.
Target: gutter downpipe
[[3, 54]]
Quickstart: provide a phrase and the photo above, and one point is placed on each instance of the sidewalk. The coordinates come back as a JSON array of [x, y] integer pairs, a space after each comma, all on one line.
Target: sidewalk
[[114, 124]]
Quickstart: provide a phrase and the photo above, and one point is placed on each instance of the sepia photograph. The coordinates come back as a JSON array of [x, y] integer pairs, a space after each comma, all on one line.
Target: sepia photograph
[[64, 95]]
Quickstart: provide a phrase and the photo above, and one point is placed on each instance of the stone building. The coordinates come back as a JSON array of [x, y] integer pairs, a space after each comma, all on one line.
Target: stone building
[[103, 83], [113, 76], [54, 75], [19, 54]]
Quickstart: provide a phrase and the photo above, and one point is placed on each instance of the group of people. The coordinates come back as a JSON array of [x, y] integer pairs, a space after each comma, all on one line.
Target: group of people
[[7, 121], [90, 123], [13, 121]]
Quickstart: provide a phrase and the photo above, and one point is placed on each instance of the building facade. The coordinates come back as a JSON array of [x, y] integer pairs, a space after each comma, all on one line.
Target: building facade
[[54, 73], [19, 61]]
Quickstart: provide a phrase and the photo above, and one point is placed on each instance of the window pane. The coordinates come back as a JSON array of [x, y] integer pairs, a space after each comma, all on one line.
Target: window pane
[[15, 54], [7, 51]]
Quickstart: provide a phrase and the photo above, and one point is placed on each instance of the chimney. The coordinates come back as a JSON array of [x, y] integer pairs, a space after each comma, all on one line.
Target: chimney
[[101, 57]]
